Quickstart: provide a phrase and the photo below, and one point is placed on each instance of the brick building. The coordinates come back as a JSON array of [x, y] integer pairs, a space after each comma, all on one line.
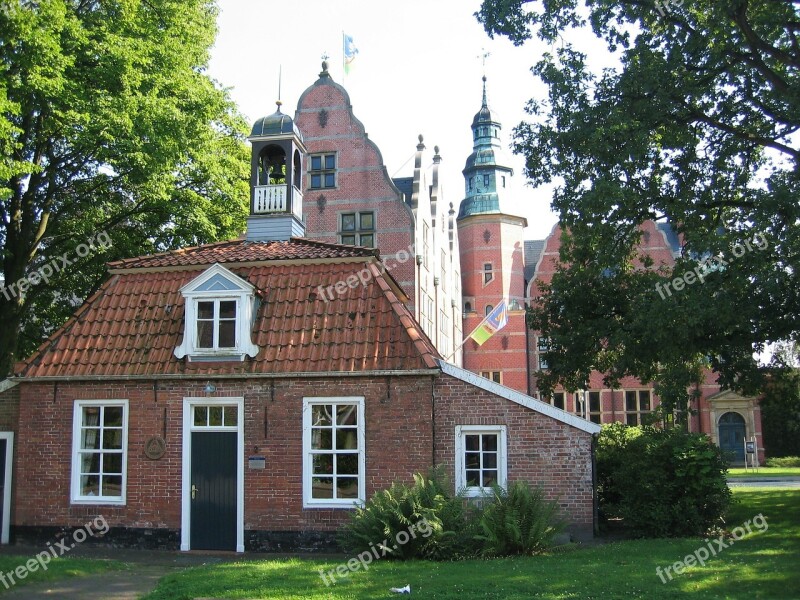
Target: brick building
[[245, 395]]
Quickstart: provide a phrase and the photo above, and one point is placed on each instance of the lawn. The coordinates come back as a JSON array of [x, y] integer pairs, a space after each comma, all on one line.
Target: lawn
[[760, 565], [765, 472], [58, 568]]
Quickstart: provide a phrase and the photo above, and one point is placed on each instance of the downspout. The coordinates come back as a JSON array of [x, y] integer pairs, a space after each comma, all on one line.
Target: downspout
[[527, 351], [433, 422], [595, 501]]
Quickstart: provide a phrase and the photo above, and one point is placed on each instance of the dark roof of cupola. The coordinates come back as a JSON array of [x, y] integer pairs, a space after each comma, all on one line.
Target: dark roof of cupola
[[484, 115], [275, 124]]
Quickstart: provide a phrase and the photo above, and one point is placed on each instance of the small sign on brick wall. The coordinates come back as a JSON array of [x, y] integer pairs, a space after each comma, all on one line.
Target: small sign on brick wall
[[256, 462]]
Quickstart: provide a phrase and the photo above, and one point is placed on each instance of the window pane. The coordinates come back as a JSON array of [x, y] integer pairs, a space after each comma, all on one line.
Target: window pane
[[200, 415], [490, 460], [595, 418], [227, 334], [205, 334], [347, 414], [489, 478], [349, 222], [558, 400], [316, 163], [231, 416], [330, 161], [214, 415], [347, 487], [630, 401], [366, 221], [112, 485], [227, 309], [473, 478], [346, 439], [472, 442], [347, 464], [112, 463], [90, 485], [90, 439], [631, 419], [321, 439], [321, 414], [644, 400], [322, 464], [472, 460], [368, 240], [490, 443], [349, 239], [316, 181], [91, 415], [112, 416], [594, 401], [112, 439], [330, 180], [205, 310], [322, 487], [90, 462]]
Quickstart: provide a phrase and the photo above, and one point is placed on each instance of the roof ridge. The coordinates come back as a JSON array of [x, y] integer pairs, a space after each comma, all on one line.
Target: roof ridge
[[322, 244], [121, 262]]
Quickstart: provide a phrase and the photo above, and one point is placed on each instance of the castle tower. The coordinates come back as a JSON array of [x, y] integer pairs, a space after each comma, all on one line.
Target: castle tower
[[490, 238], [276, 179]]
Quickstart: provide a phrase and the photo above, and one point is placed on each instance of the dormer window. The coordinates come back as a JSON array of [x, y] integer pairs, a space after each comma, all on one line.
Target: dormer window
[[220, 308]]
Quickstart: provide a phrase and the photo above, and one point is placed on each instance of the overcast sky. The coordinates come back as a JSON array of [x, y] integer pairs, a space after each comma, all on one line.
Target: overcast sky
[[417, 71]]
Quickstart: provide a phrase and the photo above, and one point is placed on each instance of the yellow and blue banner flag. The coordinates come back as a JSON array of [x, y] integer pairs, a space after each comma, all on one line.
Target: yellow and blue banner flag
[[350, 52], [493, 323]]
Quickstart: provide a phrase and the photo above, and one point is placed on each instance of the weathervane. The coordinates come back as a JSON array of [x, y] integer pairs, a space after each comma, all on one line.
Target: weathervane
[[483, 56], [325, 56]]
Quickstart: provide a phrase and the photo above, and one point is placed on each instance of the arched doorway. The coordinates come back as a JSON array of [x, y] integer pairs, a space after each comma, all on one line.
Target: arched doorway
[[731, 436]]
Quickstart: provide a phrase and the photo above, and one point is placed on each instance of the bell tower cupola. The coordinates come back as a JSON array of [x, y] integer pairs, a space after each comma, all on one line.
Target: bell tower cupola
[[276, 179]]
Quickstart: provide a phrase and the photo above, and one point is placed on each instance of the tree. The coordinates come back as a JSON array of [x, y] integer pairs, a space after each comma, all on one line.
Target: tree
[[109, 124], [696, 125]]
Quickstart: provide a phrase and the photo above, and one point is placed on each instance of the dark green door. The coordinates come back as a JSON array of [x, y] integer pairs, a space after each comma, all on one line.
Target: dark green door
[[213, 491], [731, 436], [3, 450]]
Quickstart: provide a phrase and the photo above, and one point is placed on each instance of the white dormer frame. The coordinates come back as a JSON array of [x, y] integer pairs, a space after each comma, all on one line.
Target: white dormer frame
[[218, 284]]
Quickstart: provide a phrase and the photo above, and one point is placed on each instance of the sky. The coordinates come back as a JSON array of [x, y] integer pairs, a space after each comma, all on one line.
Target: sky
[[418, 71]]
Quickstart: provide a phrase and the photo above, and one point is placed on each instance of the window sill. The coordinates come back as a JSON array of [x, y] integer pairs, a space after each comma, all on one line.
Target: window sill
[[98, 501], [347, 505]]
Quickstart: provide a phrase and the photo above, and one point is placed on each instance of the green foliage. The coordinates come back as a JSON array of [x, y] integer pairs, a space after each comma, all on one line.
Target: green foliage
[[694, 123], [663, 483], [780, 413], [519, 521], [108, 122], [443, 526], [783, 462]]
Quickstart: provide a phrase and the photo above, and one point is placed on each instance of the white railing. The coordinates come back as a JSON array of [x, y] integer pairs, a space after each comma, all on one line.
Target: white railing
[[269, 199], [272, 199]]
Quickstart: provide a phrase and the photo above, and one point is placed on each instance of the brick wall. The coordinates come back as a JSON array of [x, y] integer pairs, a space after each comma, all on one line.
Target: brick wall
[[541, 450]]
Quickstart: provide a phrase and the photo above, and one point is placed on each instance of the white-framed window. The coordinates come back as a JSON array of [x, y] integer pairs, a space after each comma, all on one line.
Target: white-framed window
[[99, 451], [219, 311], [488, 273], [557, 400], [322, 171], [496, 376], [637, 404], [481, 458], [333, 452]]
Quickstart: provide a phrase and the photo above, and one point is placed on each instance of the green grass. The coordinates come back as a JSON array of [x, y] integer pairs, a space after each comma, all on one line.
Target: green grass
[[59, 568], [760, 565], [765, 472]]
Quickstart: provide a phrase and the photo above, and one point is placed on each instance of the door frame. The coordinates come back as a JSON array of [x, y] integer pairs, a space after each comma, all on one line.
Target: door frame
[[186, 484], [9, 437]]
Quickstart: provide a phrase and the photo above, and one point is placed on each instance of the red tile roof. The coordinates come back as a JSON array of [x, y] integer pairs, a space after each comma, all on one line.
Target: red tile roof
[[131, 326], [242, 251]]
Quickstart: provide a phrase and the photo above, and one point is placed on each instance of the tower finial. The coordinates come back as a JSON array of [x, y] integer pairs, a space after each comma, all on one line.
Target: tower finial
[[483, 56], [280, 77]]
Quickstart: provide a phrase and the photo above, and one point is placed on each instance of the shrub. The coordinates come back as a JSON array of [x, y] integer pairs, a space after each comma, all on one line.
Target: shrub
[[518, 521], [784, 461], [443, 527], [662, 483]]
